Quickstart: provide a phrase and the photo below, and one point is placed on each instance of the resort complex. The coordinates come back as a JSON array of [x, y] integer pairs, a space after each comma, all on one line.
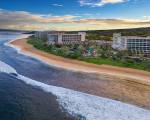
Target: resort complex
[[131, 43]]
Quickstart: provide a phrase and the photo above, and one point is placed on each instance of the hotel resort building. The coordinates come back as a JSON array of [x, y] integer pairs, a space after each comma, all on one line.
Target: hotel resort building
[[63, 38], [134, 44]]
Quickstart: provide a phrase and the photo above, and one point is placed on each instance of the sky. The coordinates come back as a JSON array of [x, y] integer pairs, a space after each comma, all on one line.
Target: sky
[[71, 15]]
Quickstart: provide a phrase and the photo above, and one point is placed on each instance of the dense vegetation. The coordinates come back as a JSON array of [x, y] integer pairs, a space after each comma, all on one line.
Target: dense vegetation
[[105, 54]]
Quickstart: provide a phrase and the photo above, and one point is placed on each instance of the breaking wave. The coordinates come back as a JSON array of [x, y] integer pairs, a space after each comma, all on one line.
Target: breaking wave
[[6, 68], [90, 106]]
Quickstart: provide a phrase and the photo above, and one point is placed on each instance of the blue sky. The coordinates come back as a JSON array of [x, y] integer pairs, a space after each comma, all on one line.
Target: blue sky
[[74, 14]]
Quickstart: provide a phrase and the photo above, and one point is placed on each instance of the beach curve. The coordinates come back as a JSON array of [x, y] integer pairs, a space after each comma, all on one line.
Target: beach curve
[[140, 76]]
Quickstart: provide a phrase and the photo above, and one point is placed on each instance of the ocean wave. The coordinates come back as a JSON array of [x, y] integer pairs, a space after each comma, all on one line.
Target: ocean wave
[[6, 68], [14, 47], [90, 106]]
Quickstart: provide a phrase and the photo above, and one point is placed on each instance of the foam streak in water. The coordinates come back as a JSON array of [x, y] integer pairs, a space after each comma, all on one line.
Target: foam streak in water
[[6, 68], [90, 106]]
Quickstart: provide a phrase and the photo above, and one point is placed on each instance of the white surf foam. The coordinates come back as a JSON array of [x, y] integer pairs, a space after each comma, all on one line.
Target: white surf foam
[[6, 68], [19, 49], [90, 106], [13, 46]]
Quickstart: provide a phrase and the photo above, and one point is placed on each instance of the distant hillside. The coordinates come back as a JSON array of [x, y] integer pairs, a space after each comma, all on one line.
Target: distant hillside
[[17, 31], [134, 31], [107, 34], [10, 30]]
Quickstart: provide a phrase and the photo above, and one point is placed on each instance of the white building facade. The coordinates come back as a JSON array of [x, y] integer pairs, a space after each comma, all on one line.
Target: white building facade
[[62, 38], [131, 43]]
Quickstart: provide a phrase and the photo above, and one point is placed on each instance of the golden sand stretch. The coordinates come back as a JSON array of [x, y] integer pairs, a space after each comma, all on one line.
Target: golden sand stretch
[[75, 65], [124, 84]]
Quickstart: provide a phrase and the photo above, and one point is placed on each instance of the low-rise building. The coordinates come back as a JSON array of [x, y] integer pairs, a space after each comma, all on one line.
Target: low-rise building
[[131, 43], [62, 38]]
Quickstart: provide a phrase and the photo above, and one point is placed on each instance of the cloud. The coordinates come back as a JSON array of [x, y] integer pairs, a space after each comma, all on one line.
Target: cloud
[[146, 17], [22, 16], [29, 21], [57, 5], [98, 3]]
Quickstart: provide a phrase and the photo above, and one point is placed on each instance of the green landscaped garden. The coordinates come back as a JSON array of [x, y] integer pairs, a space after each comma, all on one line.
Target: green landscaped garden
[[105, 54]]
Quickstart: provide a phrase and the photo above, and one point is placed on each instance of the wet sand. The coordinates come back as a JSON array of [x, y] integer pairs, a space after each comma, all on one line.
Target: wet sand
[[123, 84]]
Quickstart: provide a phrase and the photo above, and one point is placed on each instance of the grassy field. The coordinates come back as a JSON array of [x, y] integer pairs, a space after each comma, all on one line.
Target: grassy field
[[64, 52]]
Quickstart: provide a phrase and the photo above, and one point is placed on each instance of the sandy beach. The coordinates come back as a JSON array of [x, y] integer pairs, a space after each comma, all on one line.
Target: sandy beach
[[75, 65], [124, 84]]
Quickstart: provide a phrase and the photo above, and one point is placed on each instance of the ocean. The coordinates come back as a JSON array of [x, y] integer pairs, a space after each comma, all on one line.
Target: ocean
[[19, 101], [32, 90]]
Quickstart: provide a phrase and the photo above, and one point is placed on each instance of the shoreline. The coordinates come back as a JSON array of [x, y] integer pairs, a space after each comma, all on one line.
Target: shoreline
[[134, 75], [74, 103], [131, 91]]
